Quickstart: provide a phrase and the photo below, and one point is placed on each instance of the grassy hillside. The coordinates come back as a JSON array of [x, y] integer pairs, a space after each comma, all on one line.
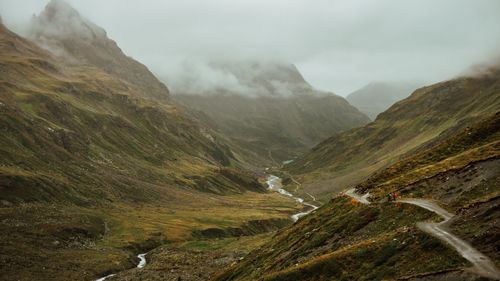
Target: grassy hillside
[[428, 116], [93, 170], [346, 240], [277, 128]]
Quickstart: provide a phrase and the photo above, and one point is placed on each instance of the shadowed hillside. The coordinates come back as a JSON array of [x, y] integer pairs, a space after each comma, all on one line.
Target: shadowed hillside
[[272, 111], [94, 170]]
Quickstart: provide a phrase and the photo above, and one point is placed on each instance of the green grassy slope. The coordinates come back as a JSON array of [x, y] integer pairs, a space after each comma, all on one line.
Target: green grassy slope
[[428, 116], [93, 170], [346, 240], [479, 142]]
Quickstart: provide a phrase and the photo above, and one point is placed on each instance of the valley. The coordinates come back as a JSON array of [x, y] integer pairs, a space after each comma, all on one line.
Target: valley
[[236, 167], [94, 171]]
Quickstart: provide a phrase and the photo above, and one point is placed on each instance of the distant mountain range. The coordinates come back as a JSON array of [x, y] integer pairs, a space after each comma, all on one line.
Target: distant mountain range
[[271, 109], [376, 97]]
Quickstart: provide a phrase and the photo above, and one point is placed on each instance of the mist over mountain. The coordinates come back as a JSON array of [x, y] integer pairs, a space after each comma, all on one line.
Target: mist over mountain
[[266, 107], [62, 30], [240, 169], [87, 146], [251, 78], [338, 46], [376, 97]]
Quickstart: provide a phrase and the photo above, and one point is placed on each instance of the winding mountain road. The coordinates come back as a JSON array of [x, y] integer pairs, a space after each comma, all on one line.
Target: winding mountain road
[[361, 198], [482, 264]]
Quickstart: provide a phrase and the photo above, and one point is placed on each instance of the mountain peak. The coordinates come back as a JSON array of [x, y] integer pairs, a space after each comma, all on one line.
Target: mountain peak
[[59, 19], [61, 29], [251, 78]]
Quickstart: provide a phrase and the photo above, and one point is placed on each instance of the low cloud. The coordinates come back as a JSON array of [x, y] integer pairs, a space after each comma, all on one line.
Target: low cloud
[[249, 77], [338, 46]]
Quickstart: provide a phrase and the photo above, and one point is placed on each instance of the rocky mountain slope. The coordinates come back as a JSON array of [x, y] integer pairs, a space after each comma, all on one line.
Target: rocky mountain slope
[[428, 116], [273, 111], [63, 31], [95, 166], [376, 97], [347, 240]]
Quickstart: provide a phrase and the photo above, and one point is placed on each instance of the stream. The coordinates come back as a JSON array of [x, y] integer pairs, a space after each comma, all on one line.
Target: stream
[[274, 184], [141, 264]]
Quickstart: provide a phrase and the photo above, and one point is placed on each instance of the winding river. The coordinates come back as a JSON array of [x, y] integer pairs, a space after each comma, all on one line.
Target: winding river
[[142, 263], [274, 184]]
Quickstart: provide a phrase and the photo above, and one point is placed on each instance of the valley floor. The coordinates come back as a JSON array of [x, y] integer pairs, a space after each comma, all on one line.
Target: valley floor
[[54, 242]]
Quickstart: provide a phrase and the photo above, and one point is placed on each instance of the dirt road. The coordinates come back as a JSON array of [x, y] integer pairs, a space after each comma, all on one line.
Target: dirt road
[[482, 264]]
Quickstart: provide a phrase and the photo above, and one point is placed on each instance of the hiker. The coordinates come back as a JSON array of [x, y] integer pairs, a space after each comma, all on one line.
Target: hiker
[[389, 197], [395, 196]]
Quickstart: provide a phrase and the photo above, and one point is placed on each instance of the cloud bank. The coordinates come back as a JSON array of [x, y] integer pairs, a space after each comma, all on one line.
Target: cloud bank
[[338, 46]]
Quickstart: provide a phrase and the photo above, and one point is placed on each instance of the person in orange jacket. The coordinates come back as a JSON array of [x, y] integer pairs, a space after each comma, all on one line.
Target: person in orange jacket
[[395, 195]]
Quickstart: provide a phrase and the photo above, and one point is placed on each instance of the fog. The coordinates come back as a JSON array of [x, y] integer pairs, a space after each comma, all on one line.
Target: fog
[[338, 46]]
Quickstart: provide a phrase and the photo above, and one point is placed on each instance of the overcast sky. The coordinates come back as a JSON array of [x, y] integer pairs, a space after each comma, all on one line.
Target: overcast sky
[[338, 46]]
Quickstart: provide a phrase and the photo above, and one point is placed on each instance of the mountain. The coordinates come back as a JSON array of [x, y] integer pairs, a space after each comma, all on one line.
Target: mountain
[[63, 31], [376, 97], [96, 168], [347, 240], [428, 116], [270, 109]]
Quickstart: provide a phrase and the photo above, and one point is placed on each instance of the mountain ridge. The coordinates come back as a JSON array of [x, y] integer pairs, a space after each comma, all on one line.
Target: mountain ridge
[[425, 118], [282, 119], [61, 29], [376, 97], [93, 170]]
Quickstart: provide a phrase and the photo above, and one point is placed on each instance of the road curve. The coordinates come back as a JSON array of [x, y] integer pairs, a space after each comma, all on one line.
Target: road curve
[[482, 264], [361, 198]]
